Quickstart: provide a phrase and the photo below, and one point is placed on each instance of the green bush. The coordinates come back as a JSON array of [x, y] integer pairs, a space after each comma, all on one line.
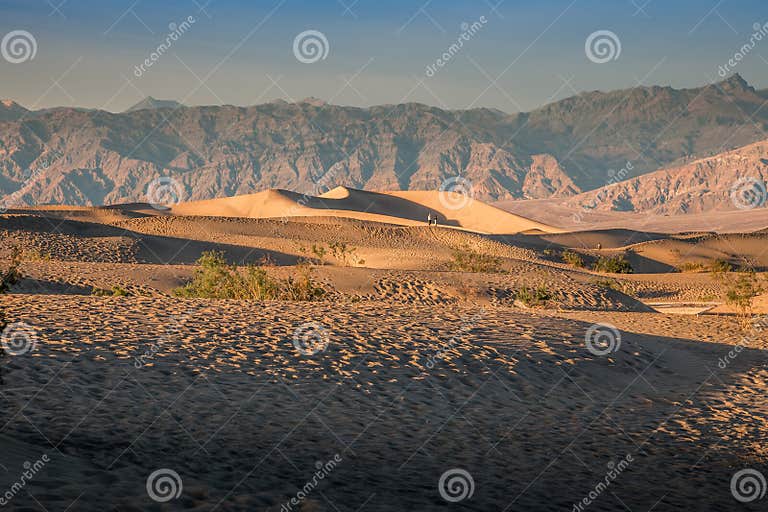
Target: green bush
[[533, 297], [690, 266], [573, 258], [470, 261], [301, 287], [216, 279], [720, 265], [116, 291], [613, 265], [741, 293]]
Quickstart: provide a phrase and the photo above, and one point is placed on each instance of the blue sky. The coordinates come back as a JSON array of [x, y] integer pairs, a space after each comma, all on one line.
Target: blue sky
[[239, 52]]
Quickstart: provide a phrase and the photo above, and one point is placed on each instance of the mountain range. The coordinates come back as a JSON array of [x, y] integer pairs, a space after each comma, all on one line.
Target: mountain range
[[565, 149]]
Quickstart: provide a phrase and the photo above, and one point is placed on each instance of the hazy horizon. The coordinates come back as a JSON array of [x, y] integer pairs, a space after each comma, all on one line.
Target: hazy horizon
[[340, 104]]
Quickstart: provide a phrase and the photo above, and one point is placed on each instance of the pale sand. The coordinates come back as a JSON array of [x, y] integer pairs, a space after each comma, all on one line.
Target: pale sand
[[228, 403], [403, 208], [224, 398]]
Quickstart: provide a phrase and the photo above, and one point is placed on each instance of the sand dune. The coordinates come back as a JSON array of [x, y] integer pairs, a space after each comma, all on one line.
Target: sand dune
[[403, 208], [428, 366]]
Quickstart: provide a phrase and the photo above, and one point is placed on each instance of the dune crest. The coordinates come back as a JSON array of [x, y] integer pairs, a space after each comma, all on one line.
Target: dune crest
[[405, 208]]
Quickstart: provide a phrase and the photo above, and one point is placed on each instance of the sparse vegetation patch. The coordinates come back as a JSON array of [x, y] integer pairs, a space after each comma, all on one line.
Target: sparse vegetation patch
[[613, 265], [466, 260], [533, 297], [573, 258], [217, 279]]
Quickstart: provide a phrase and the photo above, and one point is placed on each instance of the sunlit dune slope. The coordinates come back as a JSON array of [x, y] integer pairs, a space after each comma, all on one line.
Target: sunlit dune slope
[[402, 208]]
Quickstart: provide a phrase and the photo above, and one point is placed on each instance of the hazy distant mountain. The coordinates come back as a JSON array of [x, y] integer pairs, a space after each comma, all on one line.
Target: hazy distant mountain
[[11, 111], [150, 103], [727, 181], [560, 150]]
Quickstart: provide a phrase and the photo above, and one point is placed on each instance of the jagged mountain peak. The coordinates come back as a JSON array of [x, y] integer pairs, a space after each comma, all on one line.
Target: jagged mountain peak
[[150, 103], [736, 82]]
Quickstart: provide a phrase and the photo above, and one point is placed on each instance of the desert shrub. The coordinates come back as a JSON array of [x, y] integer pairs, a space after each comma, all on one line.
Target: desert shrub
[[319, 253], [741, 291], [690, 266], [466, 260], [302, 287], [344, 254], [720, 265], [340, 251], [611, 284], [11, 275], [613, 265], [573, 258], [33, 255], [533, 297], [115, 291], [217, 279]]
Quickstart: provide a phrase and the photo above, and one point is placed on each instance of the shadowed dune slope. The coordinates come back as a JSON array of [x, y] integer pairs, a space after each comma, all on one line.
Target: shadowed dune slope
[[402, 208]]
